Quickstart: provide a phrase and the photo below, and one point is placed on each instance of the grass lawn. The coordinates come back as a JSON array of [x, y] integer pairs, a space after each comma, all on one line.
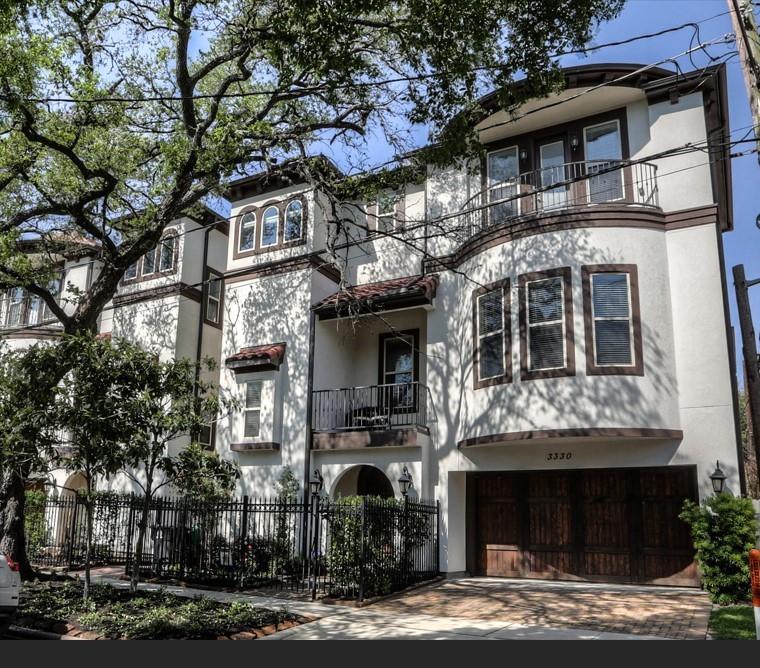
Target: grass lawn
[[734, 622], [113, 612]]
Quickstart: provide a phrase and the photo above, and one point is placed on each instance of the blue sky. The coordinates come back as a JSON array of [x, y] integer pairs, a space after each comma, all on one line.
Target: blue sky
[[646, 16]]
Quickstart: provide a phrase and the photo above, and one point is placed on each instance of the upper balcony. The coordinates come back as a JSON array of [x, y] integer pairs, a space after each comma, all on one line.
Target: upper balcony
[[554, 190]]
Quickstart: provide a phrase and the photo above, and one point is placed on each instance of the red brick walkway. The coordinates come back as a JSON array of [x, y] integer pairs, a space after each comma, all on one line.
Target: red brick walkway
[[660, 611]]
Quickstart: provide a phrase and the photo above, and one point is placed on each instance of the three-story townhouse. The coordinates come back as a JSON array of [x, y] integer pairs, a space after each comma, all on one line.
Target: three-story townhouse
[[541, 340]]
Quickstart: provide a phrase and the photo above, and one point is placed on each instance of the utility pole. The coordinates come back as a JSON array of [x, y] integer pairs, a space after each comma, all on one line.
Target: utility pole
[[749, 348], [748, 45]]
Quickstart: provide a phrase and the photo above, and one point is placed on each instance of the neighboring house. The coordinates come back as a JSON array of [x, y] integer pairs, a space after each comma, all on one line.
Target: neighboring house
[[542, 340], [168, 302]]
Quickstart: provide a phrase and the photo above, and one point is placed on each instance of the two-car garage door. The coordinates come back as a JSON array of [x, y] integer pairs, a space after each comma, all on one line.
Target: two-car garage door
[[615, 525]]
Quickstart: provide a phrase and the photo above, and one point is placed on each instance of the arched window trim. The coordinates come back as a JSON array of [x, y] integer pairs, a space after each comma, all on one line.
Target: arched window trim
[[293, 203], [264, 217], [242, 222]]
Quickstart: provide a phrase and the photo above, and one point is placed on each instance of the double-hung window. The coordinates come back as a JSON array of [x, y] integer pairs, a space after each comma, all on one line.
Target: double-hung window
[[491, 323], [546, 313], [386, 211], [214, 289], [613, 328], [252, 426]]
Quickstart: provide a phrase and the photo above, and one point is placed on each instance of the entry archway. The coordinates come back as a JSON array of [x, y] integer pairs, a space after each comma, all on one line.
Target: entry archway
[[363, 480]]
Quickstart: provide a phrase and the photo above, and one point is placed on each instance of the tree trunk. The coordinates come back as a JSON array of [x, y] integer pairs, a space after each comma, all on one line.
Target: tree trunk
[[12, 504], [142, 529]]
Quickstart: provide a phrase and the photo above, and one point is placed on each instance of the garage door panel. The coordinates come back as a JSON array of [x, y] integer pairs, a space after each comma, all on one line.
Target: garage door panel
[[618, 525]]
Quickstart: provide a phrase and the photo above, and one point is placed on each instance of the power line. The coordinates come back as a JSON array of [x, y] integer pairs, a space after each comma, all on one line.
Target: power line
[[140, 303], [360, 84]]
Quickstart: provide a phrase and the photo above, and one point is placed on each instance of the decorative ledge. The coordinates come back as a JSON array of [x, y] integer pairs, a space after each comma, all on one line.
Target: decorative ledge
[[255, 447], [588, 433], [359, 440]]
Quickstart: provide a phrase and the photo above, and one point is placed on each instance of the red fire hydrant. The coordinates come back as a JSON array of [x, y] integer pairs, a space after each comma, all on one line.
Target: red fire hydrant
[[754, 576]]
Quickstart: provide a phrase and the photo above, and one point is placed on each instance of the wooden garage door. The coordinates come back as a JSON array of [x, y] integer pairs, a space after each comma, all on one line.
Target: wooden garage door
[[615, 525]]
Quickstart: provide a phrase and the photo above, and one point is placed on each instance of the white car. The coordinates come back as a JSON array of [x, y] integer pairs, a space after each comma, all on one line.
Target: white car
[[10, 586]]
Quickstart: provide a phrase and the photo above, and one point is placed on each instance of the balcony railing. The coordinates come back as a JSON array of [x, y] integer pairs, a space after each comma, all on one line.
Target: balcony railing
[[374, 407], [553, 189]]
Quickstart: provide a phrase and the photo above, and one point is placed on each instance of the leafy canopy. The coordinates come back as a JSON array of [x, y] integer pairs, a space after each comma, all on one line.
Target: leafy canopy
[[118, 116]]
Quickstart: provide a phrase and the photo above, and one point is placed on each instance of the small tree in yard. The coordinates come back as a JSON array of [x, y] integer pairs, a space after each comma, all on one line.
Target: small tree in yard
[[171, 403], [200, 475], [95, 414], [724, 530]]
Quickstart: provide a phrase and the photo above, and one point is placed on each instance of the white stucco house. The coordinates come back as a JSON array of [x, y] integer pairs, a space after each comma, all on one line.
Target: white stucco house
[[168, 302], [541, 340]]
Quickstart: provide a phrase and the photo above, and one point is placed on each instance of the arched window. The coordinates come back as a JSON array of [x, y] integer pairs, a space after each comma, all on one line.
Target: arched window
[[270, 222], [247, 232], [293, 221], [167, 249]]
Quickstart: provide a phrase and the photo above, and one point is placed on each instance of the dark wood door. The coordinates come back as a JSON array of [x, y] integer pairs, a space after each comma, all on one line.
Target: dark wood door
[[611, 525]]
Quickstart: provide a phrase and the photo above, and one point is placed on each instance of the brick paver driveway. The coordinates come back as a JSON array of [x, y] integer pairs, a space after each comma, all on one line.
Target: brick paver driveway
[[655, 611]]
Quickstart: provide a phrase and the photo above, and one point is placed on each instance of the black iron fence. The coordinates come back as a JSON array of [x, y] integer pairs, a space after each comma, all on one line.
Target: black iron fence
[[355, 547]]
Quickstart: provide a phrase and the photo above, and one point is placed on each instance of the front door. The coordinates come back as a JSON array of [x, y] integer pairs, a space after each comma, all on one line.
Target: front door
[[551, 158]]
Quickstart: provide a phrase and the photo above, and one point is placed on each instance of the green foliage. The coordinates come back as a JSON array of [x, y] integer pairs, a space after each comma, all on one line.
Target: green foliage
[[734, 622], [201, 475], [117, 613], [35, 525], [724, 530], [363, 550], [287, 484], [153, 125]]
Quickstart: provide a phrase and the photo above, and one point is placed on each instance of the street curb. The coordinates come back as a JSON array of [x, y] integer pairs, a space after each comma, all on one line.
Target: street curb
[[36, 634]]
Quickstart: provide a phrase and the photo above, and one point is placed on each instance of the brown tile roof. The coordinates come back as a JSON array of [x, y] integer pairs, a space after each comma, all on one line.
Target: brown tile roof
[[269, 355], [381, 294]]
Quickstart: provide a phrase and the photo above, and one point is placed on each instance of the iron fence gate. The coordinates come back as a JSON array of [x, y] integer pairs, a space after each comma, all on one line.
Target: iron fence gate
[[355, 547]]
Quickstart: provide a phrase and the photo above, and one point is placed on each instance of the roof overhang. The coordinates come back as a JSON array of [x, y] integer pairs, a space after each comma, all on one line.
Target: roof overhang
[[395, 294], [267, 357]]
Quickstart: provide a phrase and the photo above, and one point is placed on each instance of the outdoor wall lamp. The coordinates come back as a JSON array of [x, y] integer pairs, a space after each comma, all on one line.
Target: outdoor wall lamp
[[405, 482], [523, 154], [316, 482], [718, 479], [574, 142]]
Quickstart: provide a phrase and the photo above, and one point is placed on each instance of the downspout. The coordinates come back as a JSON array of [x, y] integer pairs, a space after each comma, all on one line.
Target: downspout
[[309, 434], [201, 314]]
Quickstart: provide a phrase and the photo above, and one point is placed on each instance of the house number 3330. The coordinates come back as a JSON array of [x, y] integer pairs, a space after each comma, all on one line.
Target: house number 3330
[[556, 456]]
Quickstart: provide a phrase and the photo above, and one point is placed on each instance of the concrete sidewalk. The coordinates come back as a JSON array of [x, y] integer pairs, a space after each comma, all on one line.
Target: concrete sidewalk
[[338, 622]]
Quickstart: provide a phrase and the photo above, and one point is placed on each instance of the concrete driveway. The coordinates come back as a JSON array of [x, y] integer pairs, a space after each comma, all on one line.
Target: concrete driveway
[[501, 609]]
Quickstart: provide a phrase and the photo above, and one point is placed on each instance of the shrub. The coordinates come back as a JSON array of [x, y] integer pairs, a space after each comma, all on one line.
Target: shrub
[[724, 530], [35, 525]]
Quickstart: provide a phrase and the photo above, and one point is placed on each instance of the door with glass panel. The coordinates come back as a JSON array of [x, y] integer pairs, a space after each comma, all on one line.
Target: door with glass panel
[[503, 184], [603, 154], [398, 372], [552, 171]]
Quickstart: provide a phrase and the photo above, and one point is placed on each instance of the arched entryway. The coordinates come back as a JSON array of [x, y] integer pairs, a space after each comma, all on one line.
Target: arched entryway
[[75, 483], [363, 480]]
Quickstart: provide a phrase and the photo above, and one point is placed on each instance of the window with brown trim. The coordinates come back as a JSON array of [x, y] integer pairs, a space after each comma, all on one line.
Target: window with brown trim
[[273, 225], [214, 302], [160, 261], [612, 320], [491, 323], [546, 324]]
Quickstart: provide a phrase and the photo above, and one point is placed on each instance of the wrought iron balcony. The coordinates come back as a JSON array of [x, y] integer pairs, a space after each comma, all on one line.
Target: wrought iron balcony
[[553, 189], [372, 408]]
